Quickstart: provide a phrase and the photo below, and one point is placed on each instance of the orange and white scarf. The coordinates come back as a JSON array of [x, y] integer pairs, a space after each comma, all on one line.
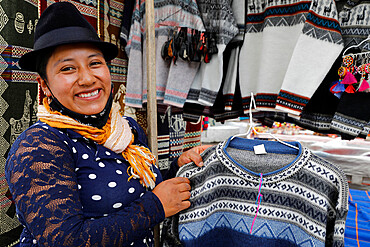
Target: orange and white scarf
[[115, 135]]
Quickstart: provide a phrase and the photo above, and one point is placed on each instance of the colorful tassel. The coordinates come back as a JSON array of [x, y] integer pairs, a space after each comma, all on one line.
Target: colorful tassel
[[338, 95], [350, 89], [349, 79], [364, 86], [337, 88]]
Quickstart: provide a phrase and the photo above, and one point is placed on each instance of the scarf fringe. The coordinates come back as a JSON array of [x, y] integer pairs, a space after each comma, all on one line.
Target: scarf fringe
[[115, 135]]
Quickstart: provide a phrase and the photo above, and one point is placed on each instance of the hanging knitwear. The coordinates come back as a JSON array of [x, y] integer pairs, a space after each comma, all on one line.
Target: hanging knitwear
[[192, 137], [352, 115], [177, 132], [305, 198], [163, 115]]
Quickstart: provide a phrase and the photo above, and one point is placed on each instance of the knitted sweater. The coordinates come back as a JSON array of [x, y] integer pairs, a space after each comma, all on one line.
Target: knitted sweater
[[288, 49], [303, 203], [218, 18], [172, 80]]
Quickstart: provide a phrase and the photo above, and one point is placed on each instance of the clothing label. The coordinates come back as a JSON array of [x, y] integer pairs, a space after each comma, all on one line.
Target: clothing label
[[259, 149]]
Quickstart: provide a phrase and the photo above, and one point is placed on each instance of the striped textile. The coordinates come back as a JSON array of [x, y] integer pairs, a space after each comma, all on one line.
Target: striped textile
[[357, 231]]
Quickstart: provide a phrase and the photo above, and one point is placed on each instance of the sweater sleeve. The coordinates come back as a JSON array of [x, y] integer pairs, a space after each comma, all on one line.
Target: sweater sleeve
[[317, 47], [41, 177], [136, 65], [126, 21]]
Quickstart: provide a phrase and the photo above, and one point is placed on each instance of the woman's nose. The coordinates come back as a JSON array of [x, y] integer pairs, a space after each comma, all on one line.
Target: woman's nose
[[86, 76]]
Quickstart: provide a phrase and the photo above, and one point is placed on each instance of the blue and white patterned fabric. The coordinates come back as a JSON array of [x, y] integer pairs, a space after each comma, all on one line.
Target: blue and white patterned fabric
[[304, 198], [71, 191]]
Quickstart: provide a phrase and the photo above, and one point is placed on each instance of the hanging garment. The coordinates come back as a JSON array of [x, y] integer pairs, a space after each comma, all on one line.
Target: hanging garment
[[163, 119], [232, 71], [193, 133], [218, 19], [352, 115], [172, 80], [325, 103], [288, 49], [126, 21], [285, 197], [177, 132], [319, 111], [228, 103]]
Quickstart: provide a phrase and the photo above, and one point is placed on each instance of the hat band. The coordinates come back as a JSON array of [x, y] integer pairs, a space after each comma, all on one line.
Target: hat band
[[65, 35]]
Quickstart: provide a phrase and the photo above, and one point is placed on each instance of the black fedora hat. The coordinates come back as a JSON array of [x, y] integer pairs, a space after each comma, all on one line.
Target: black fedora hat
[[61, 23]]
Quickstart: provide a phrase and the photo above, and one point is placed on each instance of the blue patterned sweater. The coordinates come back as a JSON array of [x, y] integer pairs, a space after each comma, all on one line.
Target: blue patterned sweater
[[70, 191], [304, 198]]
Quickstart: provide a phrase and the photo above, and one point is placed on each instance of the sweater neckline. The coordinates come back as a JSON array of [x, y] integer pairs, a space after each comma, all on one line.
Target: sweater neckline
[[303, 154]]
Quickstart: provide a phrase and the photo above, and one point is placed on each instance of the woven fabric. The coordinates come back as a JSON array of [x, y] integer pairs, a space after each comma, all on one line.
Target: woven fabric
[[18, 98], [358, 222]]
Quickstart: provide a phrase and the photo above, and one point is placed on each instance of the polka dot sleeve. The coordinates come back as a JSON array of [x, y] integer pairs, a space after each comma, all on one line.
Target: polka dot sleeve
[[40, 171]]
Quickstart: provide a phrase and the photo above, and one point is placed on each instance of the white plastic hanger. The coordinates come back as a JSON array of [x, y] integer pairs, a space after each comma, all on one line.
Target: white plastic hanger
[[252, 127]]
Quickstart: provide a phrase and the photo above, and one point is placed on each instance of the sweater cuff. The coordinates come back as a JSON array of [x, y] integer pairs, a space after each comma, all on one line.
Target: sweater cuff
[[156, 209]]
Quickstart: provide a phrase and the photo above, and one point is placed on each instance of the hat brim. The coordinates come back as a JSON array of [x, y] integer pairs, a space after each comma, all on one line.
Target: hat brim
[[28, 60]]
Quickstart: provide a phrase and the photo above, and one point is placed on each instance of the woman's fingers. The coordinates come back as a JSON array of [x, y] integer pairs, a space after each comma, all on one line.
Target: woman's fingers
[[174, 195], [192, 155]]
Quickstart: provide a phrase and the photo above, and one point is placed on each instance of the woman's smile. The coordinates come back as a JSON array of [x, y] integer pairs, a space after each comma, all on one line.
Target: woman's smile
[[89, 95]]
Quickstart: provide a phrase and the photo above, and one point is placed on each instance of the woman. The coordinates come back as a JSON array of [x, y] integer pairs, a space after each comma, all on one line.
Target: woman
[[82, 175]]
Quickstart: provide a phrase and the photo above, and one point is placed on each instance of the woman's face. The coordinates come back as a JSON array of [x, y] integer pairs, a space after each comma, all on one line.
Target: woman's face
[[79, 78]]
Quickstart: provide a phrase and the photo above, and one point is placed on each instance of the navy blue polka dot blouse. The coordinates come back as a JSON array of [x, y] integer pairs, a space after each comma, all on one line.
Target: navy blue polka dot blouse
[[71, 191]]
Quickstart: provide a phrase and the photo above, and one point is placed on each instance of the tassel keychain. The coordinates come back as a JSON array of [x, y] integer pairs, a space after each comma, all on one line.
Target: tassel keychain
[[350, 89], [364, 85], [349, 79]]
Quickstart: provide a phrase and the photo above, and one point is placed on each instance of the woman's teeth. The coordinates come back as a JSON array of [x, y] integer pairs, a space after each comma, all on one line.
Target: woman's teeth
[[85, 95]]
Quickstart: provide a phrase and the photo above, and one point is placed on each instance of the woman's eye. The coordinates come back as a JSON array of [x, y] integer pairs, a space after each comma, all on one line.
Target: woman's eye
[[67, 69], [95, 63]]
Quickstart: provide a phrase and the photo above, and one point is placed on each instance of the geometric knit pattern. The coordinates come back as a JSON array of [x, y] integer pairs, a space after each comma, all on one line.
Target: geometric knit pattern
[[304, 198], [327, 113], [284, 39]]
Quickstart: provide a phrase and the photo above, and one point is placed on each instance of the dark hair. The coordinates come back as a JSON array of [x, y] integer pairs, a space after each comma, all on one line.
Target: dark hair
[[42, 60]]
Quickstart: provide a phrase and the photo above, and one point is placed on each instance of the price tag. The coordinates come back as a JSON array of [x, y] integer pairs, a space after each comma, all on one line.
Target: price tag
[[260, 149]]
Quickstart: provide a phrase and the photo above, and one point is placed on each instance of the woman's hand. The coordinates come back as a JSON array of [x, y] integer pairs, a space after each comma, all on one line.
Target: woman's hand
[[192, 155], [174, 195]]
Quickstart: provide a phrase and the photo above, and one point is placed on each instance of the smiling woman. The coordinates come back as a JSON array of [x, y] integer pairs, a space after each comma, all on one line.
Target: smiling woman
[[78, 76], [83, 174]]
